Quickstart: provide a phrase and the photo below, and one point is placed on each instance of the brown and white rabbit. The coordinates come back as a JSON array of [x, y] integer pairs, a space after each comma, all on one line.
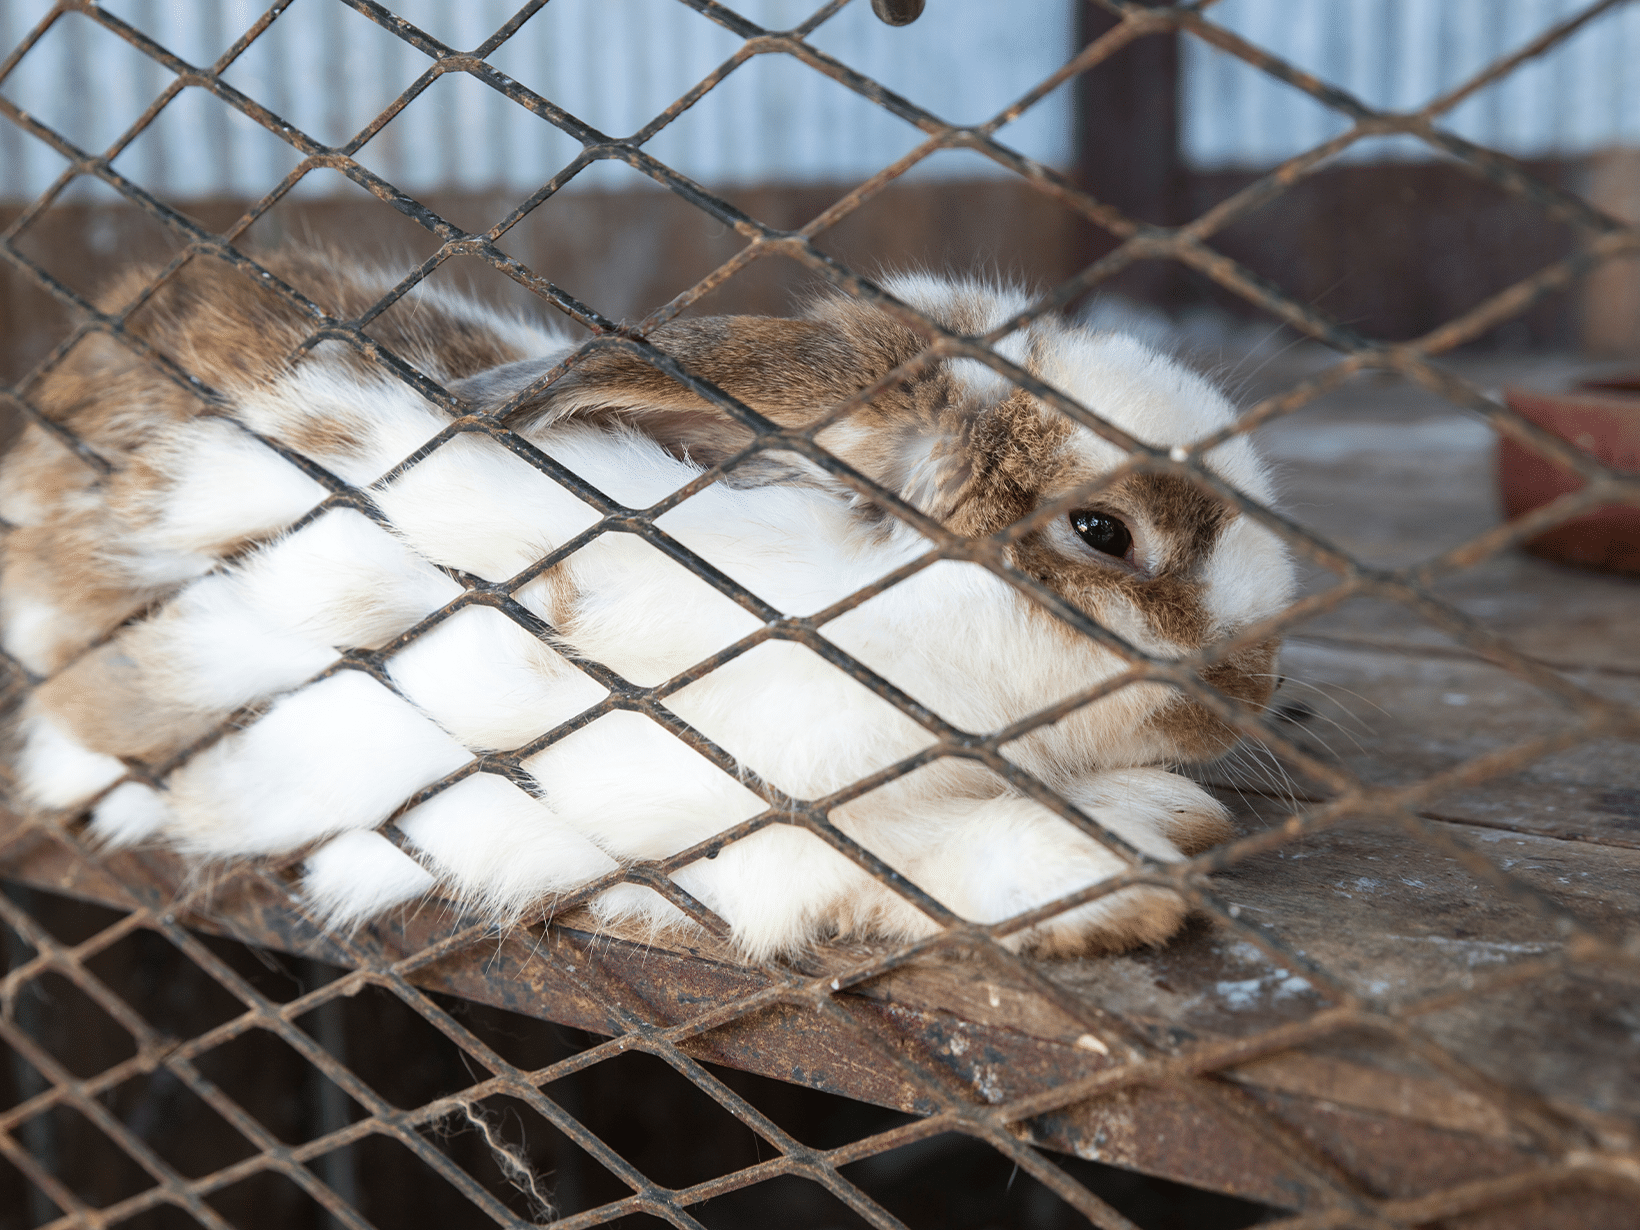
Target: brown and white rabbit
[[116, 592]]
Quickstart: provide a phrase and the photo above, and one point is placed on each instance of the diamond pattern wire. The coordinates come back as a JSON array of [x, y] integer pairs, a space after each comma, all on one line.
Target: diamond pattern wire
[[1574, 1153]]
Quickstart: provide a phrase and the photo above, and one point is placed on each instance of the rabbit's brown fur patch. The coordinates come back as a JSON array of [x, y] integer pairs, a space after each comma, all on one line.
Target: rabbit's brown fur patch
[[63, 567], [102, 702]]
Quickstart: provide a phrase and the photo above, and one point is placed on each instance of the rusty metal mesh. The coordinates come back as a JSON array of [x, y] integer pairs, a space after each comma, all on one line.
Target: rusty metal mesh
[[822, 994]]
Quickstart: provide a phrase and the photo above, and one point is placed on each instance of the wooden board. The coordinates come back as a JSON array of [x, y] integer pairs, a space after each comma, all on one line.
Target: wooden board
[[1389, 917]]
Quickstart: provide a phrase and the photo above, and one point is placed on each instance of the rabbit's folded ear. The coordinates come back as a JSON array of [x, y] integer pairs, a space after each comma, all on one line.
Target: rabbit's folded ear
[[787, 370], [617, 388], [912, 438]]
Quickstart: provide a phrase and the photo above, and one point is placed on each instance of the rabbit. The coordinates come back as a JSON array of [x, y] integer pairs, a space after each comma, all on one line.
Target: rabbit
[[205, 581]]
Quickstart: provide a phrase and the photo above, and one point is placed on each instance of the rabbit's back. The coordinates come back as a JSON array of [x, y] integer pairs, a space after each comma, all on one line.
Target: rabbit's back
[[98, 510]]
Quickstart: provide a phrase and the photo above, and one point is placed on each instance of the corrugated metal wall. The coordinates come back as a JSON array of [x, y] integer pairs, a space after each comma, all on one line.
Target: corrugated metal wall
[[615, 63], [1583, 97]]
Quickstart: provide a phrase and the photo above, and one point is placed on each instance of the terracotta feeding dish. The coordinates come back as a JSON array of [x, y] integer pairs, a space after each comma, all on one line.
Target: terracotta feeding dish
[[1603, 419]]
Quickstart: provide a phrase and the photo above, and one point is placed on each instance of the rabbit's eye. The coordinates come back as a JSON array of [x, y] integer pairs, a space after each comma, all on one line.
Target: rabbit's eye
[[1103, 532]]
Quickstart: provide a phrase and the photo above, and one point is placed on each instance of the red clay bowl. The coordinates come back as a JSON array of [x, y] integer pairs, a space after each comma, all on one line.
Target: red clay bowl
[[1603, 419]]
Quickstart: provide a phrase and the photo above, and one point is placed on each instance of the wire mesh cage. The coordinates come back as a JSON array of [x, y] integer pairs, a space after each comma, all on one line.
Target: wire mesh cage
[[1398, 1013]]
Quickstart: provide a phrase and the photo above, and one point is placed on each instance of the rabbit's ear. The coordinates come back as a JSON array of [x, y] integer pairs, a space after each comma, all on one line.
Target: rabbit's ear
[[787, 370], [913, 438]]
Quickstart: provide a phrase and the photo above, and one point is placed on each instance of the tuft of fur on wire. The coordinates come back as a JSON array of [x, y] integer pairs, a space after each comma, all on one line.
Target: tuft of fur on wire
[[514, 1165]]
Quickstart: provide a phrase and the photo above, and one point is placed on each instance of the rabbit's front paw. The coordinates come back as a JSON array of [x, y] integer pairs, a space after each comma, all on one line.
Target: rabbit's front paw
[[1003, 857], [1132, 918], [1141, 800]]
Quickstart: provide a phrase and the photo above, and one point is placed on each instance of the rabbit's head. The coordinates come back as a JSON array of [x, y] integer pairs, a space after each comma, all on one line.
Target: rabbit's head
[[1154, 558]]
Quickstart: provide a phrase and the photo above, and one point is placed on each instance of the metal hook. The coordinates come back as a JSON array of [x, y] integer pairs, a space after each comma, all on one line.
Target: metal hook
[[898, 12]]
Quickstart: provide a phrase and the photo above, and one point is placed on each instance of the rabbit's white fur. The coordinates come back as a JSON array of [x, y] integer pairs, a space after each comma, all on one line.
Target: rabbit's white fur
[[322, 764]]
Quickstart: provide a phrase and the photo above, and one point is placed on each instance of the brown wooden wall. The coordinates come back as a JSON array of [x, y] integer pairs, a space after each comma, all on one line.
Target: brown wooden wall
[[1391, 249]]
